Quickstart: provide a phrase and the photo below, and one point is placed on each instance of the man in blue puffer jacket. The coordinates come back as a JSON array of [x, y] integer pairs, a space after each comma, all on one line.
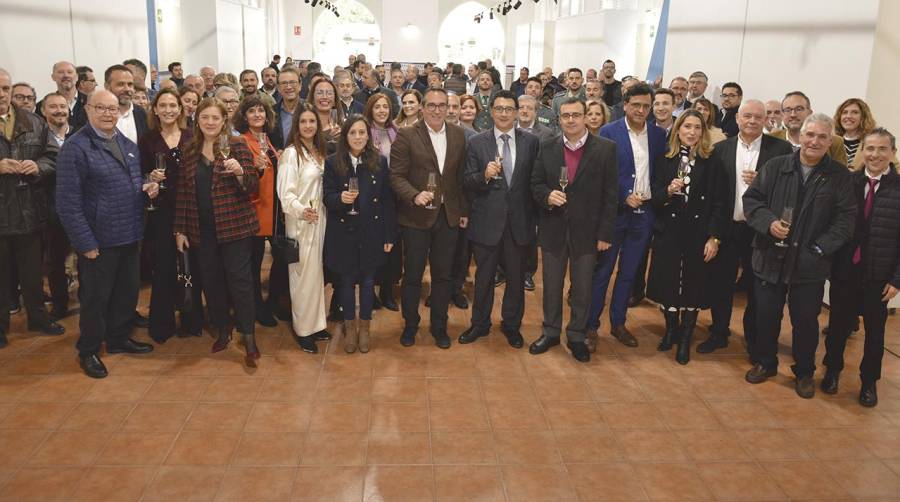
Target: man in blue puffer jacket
[[100, 200]]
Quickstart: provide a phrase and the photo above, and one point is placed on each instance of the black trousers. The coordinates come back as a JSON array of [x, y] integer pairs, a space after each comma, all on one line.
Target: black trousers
[[278, 274], [392, 271], [108, 291], [531, 258], [462, 258], [581, 271], [849, 298], [167, 294], [22, 254], [639, 286], [57, 249], [227, 283], [434, 245], [512, 257], [734, 252], [804, 305]]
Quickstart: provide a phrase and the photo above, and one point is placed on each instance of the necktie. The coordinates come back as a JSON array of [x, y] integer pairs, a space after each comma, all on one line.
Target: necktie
[[507, 159], [867, 210]]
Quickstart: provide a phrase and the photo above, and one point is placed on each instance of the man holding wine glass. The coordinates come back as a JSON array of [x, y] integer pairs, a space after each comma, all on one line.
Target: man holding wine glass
[[803, 200]]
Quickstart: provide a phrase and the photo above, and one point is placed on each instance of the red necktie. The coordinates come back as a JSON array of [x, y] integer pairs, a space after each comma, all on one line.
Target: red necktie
[[867, 210]]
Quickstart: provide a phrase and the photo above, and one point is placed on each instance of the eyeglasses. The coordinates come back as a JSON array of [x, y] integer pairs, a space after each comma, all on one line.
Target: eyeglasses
[[22, 97], [571, 116], [504, 109], [796, 109], [290, 83], [108, 110], [728, 96], [231, 102], [435, 106]]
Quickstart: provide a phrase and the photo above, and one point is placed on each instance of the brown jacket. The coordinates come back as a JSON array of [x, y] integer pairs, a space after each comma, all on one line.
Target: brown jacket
[[836, 151], [412, 158]]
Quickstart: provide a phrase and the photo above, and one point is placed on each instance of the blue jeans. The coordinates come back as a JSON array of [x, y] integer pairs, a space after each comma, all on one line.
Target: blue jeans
[[366, 281], [631, 236]]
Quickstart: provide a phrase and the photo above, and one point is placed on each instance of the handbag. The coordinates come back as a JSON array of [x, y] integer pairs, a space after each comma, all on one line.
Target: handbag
[[284, 249], [186, 280]]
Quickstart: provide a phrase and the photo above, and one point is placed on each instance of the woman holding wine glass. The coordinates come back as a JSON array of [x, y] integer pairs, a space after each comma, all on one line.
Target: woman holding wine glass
[[322, 99], [362, 226], [686, 230], [299, 187], [410, 108], [215, 218], [162, 147]]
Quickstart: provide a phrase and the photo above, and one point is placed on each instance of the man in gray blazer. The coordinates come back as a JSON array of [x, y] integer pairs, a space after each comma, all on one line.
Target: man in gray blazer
[[501, 225]]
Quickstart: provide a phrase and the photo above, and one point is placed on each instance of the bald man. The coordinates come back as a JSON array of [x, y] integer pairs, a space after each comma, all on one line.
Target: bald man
[[65, 78]]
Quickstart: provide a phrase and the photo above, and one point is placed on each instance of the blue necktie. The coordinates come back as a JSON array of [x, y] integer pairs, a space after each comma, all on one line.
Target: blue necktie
[[507, 159]]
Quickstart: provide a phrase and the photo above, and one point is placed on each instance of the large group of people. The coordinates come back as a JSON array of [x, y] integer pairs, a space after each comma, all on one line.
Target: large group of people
[[361, 178]]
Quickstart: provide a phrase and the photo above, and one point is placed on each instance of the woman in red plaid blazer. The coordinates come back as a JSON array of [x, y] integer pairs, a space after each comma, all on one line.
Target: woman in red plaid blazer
[[215, 217]]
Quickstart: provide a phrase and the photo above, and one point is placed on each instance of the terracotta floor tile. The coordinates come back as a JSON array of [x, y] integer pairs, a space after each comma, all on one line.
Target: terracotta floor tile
[[231, 388], [451, 365], [218, 417], [526, 447], [18, 445], [631, 416], [521, 415], [335, 448], [257, 483], [340, 417], [399, 417], [169, 388], [185, 483], [279, 417], [42, 485], [14, 387], [117, 389], [113, 484], [203, 448], [400, 483], [588, 445], [144, 365], [678, 482], [771, 444], [453, 389], [158, 417], [618, 389], [97, 417], [687, 415], [137, 448], [32, 364], [44, 416], [503, 389], [466, 482], [561, 389], [399, 390], [883, 442], [60, 388], [610, 481], [650, 446], [795, 413], [538, 483], [285, 389], [340, 388], [504, 366], [452, 416], [463, 448], [712, 445], [195, 365], [739, 481], [848, 413], [398, 364], [831, 444], [805, 480], [574, 415], [744, 414], [329, 484], [269, 449], [865, 478], [398, 448], [75, 448]]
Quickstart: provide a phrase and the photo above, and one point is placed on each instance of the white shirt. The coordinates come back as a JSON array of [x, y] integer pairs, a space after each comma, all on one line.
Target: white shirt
[[746, 157], [439, 143], [126, 124], [512, 144], [60, 139], [877, 186], [641, 152]]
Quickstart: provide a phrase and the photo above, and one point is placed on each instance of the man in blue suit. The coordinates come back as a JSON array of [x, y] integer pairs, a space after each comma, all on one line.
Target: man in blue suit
[[638, 145]]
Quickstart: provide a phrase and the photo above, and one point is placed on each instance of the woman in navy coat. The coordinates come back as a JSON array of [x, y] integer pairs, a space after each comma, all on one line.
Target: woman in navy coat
[[362, 226]]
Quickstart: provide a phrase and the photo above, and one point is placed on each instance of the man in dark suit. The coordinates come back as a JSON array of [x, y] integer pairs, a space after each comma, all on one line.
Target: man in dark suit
[[732, 94], [371, 85], [737, 159], [638, 145], [430, 215], [132, 123], [502, 226], [574, 222]]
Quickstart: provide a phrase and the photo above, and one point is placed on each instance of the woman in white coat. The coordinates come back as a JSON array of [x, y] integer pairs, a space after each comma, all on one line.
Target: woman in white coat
[[299, 189]]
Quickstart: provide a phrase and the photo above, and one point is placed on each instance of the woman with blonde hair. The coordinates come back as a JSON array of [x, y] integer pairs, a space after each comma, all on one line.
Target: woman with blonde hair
[[596, 117], [707, 109], [853, 120], [690, 214]]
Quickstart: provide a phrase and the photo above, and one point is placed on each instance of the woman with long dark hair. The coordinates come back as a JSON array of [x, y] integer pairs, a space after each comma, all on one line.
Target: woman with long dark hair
[[215, 218], [410, 108], [690, 215], [362, 226], [322, 99]]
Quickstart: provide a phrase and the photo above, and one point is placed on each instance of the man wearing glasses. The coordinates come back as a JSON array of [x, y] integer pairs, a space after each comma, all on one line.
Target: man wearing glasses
[[795, 108], [428, 162], [726, 119], [289, 88], [23, 96]]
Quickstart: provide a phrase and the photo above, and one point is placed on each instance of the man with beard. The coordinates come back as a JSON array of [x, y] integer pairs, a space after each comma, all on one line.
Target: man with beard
[[248, 88], [612, 88], [270, 83], [132, 118]]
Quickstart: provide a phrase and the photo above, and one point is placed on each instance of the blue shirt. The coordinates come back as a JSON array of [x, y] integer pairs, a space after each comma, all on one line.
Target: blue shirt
[[286, 118]]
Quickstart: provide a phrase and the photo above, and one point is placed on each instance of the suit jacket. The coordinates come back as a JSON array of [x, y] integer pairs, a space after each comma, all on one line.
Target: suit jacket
[[725, 154], [590, 211], [412, 159], [618, 132], [455, 85], [542, 132], [496, 204], [355, 107], [362, 96], [835, 151], [726, 120], [77, 114]]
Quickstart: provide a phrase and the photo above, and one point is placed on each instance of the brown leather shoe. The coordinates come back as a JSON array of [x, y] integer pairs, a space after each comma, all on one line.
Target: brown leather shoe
[[592, 339], [623, 336]]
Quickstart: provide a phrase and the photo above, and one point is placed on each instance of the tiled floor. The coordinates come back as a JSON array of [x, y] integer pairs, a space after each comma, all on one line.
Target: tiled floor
[[476, 422]]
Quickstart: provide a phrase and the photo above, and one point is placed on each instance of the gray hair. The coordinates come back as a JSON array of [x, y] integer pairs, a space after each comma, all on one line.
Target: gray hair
[[527, 98], [224, 90], [817, 118], [4, 72], [748, 102]]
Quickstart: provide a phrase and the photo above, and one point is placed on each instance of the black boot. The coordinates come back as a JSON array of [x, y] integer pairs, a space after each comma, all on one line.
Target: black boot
[[386, 295], [688, 321], [671, 331]]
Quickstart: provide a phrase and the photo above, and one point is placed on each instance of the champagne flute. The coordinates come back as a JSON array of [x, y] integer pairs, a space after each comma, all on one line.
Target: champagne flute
[[263, 150], [353, 187], [787, 217], [313, 204], [563, 177], [151, 206], [430, 187], [20, 156], [224, 146], [161, 168], [681, 173], [499, 160]]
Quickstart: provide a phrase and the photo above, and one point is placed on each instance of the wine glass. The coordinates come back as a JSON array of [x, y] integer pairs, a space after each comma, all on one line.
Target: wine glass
[[161, 168], [787, 216], [431, 186], [151, 206], [353, 187], [681, 173], [20, 156], [563, 177], [224, 146], [499, 160], [263, 150], [313, 205]]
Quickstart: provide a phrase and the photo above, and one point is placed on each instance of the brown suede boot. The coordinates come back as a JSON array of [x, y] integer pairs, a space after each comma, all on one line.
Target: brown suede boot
[[364, 335], [351, 336]]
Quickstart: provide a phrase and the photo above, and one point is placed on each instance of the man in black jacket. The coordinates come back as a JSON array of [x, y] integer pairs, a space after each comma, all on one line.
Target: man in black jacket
[[372, 85], [726, 119], [802, 210], [866, 272]]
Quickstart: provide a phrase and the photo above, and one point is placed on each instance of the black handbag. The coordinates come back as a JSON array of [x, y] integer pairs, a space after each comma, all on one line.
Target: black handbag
[[284, 249], [186, 280]]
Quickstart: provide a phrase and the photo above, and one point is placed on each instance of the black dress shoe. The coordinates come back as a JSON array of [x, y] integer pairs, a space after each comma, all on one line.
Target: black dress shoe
[[92, 366], [868, 395], [441, 339], [759, 373], [805, 387], [321, 336], [408, 338], [15, 307], [140, 321], [529, 283], [49, 329], [58, 313], [470, 335], [514, 338], [390, 304], [829, 383], [579, 351], [129, 346], [543, 344], [264, 316], [307, 343], [460, 300], [3, 341], [499, 278], [711, 344]]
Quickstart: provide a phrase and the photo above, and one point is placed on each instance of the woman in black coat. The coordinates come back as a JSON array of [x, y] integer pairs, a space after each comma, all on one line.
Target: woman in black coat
[[362, 226], [686, 230]]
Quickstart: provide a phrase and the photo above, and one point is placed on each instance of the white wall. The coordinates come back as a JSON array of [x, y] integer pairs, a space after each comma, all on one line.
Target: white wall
[[423, 46], [884, 74], [198, 20], [38, 33], [587, 40]]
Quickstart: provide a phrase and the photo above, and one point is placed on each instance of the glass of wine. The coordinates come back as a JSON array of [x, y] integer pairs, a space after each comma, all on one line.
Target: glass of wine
[[681, 173], [353, 187], [313, 204], [263, 150], [563, 177], [224, 149], [430, 187], [499, 160], [787, 216], [20, 156], [161, 168], [151, 206]]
